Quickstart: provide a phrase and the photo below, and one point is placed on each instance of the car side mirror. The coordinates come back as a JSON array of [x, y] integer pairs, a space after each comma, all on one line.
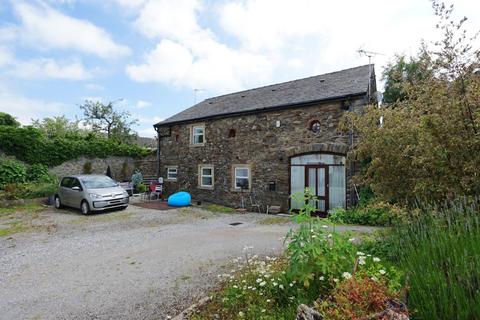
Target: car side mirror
[[76, 188]]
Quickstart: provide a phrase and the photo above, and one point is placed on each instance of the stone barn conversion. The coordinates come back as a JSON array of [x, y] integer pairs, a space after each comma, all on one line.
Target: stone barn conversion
[[267, 143]]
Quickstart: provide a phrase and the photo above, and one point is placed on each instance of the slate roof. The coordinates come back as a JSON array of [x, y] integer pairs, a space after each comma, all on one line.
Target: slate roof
[[353, 81]]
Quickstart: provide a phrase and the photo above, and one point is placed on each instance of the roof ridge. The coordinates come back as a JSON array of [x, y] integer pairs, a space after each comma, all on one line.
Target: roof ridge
[[285, 82]]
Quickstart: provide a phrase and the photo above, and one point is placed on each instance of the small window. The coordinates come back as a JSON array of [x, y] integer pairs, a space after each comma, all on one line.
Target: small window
[[198, 134], [172, 173], [66, 182], [242, 177], [206, 176], [315, 126], [232, 133]]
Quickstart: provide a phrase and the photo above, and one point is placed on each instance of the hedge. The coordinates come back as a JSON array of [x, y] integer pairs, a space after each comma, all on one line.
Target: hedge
[[31, 146]]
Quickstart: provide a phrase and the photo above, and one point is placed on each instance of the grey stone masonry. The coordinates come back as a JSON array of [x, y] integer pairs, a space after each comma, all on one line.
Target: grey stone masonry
[[263, 141]]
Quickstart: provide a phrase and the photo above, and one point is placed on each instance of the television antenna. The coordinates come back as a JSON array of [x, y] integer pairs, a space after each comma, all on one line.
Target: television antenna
[[369, 54]]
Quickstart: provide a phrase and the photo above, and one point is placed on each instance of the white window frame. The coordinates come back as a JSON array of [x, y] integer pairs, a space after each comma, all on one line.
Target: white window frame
[[193, 135], [168, 173], [201, 175], [248, 176]]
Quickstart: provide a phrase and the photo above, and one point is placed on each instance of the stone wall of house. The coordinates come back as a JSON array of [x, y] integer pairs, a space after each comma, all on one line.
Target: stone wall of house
[[259, 143], [147, 165]]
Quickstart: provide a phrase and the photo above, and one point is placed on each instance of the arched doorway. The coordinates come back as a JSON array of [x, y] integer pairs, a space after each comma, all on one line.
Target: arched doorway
[[324, 173]]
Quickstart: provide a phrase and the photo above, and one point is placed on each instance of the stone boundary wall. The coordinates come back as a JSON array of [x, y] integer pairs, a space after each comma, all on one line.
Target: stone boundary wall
[[147, 166]]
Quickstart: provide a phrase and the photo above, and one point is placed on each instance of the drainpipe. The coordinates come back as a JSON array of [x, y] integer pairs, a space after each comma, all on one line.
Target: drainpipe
[[158, 150]]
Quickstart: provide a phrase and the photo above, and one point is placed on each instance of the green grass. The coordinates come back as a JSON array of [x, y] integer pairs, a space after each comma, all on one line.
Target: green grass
[[11, 227], [215, 208], [26, 208], [19, 218], [275, 220]]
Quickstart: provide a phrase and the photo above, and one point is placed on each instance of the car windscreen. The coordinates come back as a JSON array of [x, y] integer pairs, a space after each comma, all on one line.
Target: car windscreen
[[98, 182]]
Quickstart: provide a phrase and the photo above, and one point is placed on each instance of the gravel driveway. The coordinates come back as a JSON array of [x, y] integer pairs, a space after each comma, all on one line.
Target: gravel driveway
[[133, 264]]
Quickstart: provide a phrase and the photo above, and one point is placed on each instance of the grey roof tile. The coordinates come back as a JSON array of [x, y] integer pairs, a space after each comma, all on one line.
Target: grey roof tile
[[322, 87]]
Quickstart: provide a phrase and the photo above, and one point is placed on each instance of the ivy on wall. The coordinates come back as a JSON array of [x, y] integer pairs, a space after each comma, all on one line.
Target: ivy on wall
[[31, 146]]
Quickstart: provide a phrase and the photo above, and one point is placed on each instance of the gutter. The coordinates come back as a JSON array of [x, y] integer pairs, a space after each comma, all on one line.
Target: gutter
[[270, 108]]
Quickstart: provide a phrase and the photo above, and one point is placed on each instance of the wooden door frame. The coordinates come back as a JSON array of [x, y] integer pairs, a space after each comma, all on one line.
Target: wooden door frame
[[326, 185]]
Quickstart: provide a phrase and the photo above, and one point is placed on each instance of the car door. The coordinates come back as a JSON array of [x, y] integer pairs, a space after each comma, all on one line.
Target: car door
[[65, 191], [76, 193]]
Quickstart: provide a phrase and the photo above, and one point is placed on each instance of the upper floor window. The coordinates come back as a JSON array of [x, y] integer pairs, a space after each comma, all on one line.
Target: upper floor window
[[172, 173], [198, 134], [206, 176]]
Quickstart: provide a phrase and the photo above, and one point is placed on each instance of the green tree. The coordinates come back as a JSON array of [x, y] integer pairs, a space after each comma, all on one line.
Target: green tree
[[429, 143], [8, 120], [103, 118], [58, 127]]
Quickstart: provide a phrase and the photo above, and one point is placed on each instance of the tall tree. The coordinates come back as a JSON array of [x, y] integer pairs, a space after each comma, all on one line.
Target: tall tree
[[58, 127], [8, 120], [429, 143], [105, 119]]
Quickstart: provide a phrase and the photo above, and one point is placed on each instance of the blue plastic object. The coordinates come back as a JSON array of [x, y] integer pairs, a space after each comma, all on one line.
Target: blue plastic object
[[179, 199]]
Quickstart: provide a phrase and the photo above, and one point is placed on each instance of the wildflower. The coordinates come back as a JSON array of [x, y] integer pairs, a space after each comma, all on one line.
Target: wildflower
[[291, 284], [321, 278], [302, 244], [359, 253], [235, 287], [374, 278], [281, 286], [263, 283], [240, 314], [275, 284], [263, 310], [259, 280], [375, 259], [314, 236], [329, 235], [244, 281], [382, 272], [335, 280], [325, 226], [253, 288], [268, 300], [361, 260], [347, 275], [351, 239]]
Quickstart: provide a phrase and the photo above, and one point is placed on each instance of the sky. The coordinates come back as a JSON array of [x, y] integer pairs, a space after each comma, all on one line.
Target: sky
[[155, 58]]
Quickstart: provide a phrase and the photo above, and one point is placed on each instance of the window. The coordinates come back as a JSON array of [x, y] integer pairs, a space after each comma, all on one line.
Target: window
[[198, 135], [315, 126], [205, 176], [241, 177], [172, 173]]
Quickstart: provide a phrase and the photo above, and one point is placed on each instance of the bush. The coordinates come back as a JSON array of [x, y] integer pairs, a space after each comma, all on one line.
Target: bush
[[30, 145], [87, 168], [440, 252], [12, 172], [137, 178], [39, 173], [38, 190], [373, 214]]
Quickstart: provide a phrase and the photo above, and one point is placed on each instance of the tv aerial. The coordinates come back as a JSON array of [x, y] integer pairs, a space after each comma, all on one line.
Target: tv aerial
[[369, 54]]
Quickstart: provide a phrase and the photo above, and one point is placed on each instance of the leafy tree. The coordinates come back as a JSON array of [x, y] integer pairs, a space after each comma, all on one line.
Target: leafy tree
[[429, 143], [104, 119], [58, 127], [8, 120]]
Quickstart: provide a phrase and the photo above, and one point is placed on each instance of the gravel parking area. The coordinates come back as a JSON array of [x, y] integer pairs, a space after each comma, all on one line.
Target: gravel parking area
[[133, 264]]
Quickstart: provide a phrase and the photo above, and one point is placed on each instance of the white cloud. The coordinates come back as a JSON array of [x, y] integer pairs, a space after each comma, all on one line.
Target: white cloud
[[46, 28], [49, 68], [6, 56], [142, 104], [25, 109], [93, 87]]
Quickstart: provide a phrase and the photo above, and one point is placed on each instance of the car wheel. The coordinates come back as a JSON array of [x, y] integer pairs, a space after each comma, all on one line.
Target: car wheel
[[58, 203], [123, 208], [85, 208]]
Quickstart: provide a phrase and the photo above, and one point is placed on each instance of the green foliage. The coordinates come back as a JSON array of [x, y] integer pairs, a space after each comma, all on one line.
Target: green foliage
[[32, 146], [141, 188], [12, 172], [8, 120], [137, 178], [373, 214], [38, 190], [39, 172], [104, 119], [87, 168], [440, 252], [429, 144], [59, 127]]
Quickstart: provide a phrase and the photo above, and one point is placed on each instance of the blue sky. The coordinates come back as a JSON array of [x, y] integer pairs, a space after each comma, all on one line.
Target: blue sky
[[149, 55]]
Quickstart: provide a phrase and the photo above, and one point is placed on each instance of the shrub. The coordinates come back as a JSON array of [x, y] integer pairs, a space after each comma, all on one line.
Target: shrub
[[141, 188], [373, 214], [87, 168], [137, 178], [12, 172], [39, 172], [440, 251]]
